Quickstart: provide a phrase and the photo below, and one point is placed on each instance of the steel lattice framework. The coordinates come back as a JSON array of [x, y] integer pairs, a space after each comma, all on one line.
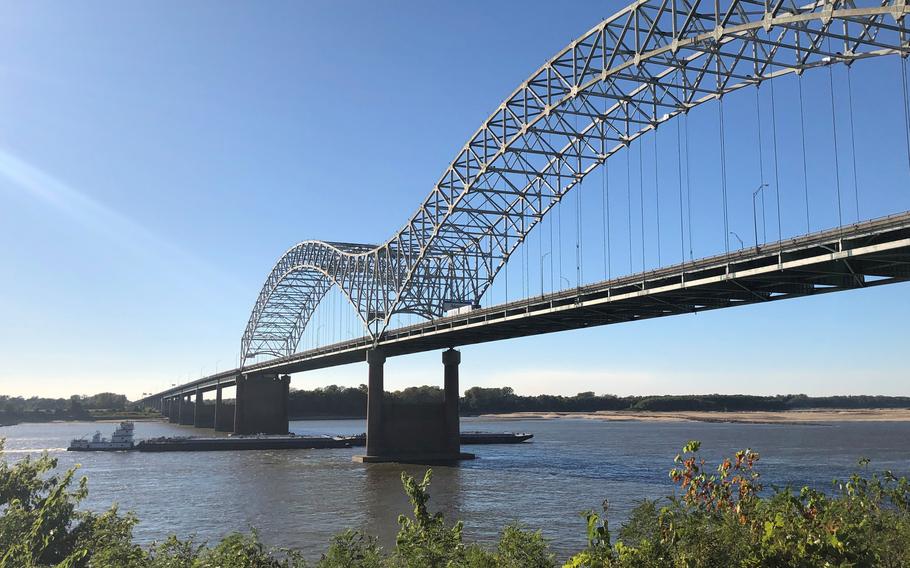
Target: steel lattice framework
[[646, 64]]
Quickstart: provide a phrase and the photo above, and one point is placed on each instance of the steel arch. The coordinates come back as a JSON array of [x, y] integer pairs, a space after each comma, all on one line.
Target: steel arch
[[646, 64]]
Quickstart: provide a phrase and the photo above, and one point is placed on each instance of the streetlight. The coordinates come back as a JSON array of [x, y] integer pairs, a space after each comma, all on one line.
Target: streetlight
[[754, 216], [741, 245], [568, 284], [541, 271]]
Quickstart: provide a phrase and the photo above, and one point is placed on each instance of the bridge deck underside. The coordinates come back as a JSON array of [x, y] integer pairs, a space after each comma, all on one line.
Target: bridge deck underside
[[863, 255]]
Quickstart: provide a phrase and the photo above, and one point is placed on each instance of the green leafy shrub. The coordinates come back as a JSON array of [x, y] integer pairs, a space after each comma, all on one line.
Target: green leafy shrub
[[352, 549], [721, 519]]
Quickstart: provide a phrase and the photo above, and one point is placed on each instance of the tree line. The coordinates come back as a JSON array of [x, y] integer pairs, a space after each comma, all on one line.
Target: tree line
[[350, 402], [14, 409]]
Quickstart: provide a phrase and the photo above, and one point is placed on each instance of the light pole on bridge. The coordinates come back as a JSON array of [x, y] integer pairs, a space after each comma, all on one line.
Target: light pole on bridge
[[741, 244], [541, 271], [754, 216]]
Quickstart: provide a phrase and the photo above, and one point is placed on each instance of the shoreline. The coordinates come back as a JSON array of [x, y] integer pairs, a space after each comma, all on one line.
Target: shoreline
[[812, 416], [809, 416]]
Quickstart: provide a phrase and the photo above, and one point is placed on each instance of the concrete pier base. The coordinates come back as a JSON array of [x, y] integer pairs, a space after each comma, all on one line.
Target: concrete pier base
[[224, 418], [262, 404], [186, 412], [204, 416], [412, 433], [421, 459], [224, 413], [171, 406]]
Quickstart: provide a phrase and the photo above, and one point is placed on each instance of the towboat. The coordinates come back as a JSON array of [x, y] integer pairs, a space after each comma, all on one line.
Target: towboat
[[121, 439]]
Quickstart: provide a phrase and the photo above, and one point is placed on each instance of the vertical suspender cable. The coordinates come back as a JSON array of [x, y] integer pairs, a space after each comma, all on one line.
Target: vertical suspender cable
[[780, 235], [506, 267], [761, 165], [641, 204], [559, 236], [802, 125], [853, 140], [688, 190], [723, 171], [578, 224], [629, 200], [605, 193], [524, 258], [605, 212], [657, 195], [550, 222], [840, 215], [682, 238], [540, 240], [578, 235], [906, 104]]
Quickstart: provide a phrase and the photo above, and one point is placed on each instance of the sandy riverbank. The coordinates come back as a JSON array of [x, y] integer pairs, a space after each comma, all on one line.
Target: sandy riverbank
[[759, 417]]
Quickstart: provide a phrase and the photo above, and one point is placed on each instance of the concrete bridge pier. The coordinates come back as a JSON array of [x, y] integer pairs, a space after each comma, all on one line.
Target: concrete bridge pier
[[375, 396], [262, 404], [204, 414], [413, 433], [450, 361], [224, 413], [187, 411], [170, 409]]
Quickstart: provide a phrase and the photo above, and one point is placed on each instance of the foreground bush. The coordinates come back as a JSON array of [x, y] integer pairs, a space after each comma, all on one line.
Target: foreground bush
[[720, 517]]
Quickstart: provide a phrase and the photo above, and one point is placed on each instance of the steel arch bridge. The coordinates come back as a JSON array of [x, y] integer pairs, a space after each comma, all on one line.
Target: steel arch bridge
[[648, 63]]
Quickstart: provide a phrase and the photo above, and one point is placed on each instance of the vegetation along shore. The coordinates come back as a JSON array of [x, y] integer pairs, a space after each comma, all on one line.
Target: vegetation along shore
[[720, 515], [335, 402]]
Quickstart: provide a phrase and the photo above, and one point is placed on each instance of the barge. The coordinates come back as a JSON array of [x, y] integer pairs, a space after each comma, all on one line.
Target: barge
[[474, 438], [233, 443], [122, 440], [467, 438]]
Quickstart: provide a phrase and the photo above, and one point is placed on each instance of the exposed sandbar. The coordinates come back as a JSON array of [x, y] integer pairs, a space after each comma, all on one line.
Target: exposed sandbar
[[757, 417]]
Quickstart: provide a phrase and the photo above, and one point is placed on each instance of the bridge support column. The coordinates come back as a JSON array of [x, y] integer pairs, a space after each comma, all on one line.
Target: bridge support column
[[450, 360], [187, 410], [262, 404], [224, 413], [375, 395], [413, 433], [204, 414], [172, 408]]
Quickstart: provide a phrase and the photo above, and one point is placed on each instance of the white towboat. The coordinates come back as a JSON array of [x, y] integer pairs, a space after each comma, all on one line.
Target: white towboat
[[121, 439]]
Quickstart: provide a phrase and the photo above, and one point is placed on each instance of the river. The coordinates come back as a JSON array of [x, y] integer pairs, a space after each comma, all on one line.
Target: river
[[300, 498]]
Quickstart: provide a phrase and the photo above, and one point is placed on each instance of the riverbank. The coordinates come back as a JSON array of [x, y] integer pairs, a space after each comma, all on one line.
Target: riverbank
[[93, 416], [813, 416]]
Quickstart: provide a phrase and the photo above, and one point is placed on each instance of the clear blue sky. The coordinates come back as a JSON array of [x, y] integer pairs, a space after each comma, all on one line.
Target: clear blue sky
[[157, 158]]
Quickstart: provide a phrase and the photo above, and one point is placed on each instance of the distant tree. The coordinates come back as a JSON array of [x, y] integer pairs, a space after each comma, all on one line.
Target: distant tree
[[105, 401]]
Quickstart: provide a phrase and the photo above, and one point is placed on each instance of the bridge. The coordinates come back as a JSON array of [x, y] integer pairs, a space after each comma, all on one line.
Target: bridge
[[653, 62]]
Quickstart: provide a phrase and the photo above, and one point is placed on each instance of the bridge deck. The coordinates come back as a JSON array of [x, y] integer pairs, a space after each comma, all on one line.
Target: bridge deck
[[865, 254]]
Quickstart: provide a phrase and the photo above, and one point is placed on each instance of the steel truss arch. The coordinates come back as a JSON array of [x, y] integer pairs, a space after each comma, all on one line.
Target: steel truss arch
[[646, 64], [296, 285]]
